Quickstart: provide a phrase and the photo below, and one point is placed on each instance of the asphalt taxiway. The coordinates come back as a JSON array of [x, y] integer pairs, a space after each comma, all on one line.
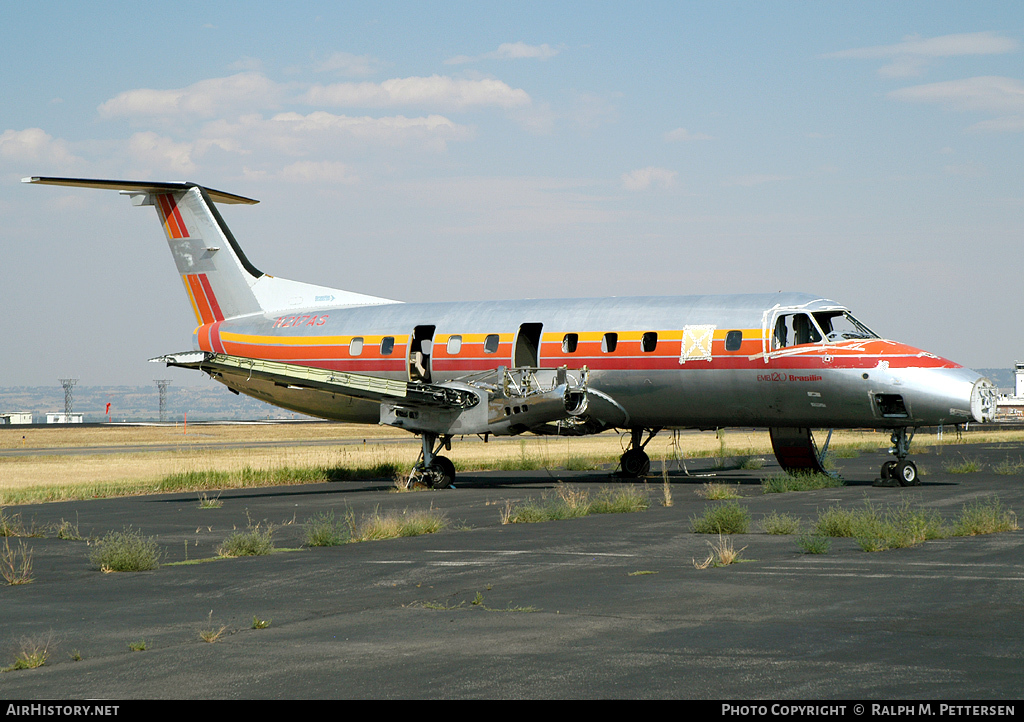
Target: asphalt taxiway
[[608, 606]]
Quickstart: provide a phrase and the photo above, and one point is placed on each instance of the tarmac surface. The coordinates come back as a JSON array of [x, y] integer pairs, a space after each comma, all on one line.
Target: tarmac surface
[[607, 606]]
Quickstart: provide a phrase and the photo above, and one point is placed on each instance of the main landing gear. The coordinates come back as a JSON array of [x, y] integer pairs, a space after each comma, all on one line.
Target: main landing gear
[[437, 472], [635, 462], [902, 471]]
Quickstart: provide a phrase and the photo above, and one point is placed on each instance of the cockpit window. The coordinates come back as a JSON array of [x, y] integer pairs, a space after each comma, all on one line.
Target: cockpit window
[[841, 326], [794, 329]]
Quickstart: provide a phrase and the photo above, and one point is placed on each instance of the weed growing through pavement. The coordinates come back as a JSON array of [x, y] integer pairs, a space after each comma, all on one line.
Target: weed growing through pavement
[[258, 623], [209, 633], [810, 543], [125, 551], [775, 523], [570, 502], [986, 516], [726, 518], [16, 564], [783, 482], [722, 554], [714, 491], [210, 502], [965, 465], [32, 652]]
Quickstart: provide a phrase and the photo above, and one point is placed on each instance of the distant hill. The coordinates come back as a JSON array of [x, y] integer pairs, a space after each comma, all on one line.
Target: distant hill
[[1002, 378], [140, 403]]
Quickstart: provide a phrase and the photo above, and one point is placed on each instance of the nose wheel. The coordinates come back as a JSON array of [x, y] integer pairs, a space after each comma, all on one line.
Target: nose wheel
[[635, 462], [902, 471]]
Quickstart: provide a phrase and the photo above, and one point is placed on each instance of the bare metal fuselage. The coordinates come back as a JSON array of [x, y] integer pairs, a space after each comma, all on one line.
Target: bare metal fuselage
[[652, 361]]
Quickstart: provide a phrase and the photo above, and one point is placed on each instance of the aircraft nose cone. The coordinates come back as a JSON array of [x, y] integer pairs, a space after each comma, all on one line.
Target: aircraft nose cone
[[983, 400]]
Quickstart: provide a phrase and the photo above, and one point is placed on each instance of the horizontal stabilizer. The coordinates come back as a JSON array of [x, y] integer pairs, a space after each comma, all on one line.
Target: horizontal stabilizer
[[139, 186]]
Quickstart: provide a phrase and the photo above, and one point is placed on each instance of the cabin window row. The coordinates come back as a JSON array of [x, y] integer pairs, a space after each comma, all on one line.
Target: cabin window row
[[570, 341], [387, 346]]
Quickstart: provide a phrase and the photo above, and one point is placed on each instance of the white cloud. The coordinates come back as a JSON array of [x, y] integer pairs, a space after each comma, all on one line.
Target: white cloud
[[157, 153], [754, 179], [988, 94], [36, 146], [206, 98], [437, 91], [911, 56], [293, 134], [508, 51], [644, 178], [349, 65], [308, 171], [683, 135]]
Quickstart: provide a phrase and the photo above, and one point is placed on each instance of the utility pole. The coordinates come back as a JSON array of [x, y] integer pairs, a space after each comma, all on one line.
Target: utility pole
[[162, 385], [68, 385]]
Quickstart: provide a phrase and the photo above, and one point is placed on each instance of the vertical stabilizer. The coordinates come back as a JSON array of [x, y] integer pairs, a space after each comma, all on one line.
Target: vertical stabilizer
[[220, 282]]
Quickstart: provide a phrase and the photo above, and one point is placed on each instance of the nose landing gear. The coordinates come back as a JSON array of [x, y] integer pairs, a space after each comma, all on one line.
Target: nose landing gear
[[902, 471]]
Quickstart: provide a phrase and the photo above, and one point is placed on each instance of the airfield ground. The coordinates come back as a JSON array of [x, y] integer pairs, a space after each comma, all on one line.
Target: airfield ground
[[607, 606]]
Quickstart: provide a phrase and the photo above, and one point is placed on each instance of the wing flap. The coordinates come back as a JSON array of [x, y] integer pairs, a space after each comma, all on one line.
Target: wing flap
[[359, 386]]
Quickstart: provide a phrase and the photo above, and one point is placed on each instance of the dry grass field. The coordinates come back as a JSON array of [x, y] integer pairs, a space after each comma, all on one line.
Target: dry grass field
[[68, 462]]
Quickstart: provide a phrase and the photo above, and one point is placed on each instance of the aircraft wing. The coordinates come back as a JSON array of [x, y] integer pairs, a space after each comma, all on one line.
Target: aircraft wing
[[505, 401], [359, 386]]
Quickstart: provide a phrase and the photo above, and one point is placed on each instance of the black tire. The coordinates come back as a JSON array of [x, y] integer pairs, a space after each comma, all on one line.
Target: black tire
[[635, 463], [888, 470], [906, 473], [442, 472]]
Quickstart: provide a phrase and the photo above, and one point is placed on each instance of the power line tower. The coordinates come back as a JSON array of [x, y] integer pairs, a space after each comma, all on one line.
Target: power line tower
[[68, 385], [162, 385]]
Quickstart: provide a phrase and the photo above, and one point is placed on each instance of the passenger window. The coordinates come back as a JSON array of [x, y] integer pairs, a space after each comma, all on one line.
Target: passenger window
[[491, 343], [649, 342], [387, 345], [733, 340], [609, 341], [569, 342], [355, 346], [454, 345]]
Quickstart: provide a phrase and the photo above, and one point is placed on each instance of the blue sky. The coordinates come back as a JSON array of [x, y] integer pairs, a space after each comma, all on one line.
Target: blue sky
[[866, 152]]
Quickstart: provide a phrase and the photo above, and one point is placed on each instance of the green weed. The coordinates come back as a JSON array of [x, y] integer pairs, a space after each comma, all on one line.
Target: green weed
[[783, 482], [776, 523], [725, 518], [323, 530], [814, 543], [985, 517], [125, 551], [255, 541]]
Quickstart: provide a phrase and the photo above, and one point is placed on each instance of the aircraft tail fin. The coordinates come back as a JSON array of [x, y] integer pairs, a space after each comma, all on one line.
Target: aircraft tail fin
[[220, 281]]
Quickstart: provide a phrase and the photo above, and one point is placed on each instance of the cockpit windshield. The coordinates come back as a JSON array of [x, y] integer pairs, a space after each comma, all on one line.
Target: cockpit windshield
[[841, 326]]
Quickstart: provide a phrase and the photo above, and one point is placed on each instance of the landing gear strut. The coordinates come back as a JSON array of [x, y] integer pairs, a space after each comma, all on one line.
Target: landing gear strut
[[635, 462], [902, 471], [437, 472]]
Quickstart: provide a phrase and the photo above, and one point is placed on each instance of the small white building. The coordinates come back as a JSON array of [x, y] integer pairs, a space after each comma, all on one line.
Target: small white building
[[61, 418], [16, 417]]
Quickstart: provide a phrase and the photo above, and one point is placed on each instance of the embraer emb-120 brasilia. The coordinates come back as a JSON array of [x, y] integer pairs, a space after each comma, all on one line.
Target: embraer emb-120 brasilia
[[788, 362]]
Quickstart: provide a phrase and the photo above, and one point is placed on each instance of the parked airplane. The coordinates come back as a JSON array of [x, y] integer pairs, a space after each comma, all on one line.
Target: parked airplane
[[790, 362]]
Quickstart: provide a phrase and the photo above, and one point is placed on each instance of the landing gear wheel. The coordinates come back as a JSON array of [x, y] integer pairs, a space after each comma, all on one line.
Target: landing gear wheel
[[441, 472], [906, 473], [889, 470], [635, 463]]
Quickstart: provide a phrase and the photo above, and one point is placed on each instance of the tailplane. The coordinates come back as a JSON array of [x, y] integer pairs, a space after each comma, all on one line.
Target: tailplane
[[220, 281]]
